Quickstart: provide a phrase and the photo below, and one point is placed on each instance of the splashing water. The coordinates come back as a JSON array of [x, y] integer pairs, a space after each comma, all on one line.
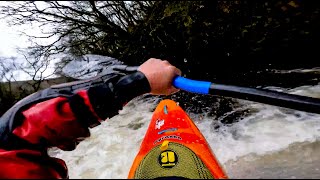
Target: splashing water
[[273, 142]]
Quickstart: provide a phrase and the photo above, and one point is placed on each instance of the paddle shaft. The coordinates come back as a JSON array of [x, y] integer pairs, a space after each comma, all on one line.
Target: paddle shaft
[[297, 102], [292, 101]]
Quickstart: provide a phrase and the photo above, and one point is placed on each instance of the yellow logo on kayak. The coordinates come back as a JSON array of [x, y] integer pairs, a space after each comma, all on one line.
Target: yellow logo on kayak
[[168, 159]]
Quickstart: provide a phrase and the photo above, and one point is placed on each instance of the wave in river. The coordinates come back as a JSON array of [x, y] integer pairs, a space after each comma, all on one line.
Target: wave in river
[[272, 142]]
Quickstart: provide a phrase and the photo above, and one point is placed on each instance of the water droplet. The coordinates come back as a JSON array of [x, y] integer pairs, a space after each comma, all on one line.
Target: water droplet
[[185, 60]]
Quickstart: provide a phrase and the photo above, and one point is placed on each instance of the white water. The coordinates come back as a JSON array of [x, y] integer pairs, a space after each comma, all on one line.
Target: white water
[[271, 143]]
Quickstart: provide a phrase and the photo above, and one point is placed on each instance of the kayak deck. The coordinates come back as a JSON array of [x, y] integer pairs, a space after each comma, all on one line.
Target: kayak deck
[[170, 123]]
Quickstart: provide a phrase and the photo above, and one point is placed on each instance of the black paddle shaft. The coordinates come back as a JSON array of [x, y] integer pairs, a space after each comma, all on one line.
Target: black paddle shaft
[[292, 101], [297, 102]]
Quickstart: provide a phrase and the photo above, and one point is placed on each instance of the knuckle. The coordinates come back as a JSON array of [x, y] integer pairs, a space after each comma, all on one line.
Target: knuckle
[[166, 62]]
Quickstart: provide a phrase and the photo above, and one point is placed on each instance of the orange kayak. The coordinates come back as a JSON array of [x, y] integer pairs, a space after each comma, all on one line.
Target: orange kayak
[[173, 146]]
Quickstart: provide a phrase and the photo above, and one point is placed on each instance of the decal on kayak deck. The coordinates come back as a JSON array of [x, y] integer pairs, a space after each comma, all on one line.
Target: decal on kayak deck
[[159, 123], [167, 137], [168, 159], [167, 130], [165, 109]]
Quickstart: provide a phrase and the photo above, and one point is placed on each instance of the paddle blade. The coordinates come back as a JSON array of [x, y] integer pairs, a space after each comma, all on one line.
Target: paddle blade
[[88, 66]]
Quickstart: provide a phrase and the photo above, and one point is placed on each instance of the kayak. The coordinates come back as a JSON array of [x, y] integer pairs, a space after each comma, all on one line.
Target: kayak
[[173, 147]]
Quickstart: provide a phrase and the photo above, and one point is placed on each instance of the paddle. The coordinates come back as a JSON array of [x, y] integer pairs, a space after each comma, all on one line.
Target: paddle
[[297, 102]]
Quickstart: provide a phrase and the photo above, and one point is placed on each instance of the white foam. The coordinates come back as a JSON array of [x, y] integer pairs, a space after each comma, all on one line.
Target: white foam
[[267, 131], [112, 147]]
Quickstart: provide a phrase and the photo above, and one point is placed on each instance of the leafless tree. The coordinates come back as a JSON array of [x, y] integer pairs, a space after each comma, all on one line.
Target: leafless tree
[[36, 69], [7, 78], [7, 68], [77, 27]]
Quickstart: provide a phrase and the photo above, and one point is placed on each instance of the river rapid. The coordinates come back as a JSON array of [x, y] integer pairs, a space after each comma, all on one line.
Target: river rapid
[[270, 142]]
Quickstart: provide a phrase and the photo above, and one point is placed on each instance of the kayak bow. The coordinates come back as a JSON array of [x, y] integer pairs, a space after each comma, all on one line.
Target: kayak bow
[[170, 145]]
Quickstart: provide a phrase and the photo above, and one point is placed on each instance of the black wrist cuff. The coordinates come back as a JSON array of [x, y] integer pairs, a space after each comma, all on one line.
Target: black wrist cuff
[[109, 98], [131, 86]]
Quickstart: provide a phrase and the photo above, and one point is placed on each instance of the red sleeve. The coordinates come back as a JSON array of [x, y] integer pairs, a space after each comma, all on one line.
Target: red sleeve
[[27, 131], [53, 123], [49, 123]]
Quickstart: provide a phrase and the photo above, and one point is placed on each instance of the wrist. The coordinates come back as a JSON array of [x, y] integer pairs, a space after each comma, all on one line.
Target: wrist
[[131, 86]]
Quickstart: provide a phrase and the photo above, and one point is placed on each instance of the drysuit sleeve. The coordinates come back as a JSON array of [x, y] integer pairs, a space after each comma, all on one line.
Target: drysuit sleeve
[[61, 117]]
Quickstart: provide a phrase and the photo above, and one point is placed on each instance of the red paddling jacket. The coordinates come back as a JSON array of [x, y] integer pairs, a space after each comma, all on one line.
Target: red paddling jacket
[[60, 116]]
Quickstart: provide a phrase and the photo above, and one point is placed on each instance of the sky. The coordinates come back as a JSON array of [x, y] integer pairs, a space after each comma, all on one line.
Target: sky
[[11, 39]]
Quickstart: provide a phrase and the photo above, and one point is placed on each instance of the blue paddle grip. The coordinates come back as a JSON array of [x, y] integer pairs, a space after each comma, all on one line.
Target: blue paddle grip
[[201, 87]]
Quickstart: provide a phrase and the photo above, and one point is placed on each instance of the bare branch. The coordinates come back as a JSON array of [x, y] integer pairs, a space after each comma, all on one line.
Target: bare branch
[[75, 26]]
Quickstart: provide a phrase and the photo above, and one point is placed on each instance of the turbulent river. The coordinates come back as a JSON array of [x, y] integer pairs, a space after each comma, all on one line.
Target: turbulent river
[[271, 142]]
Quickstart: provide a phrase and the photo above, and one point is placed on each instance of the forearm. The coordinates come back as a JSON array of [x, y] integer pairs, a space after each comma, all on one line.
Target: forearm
[[42, 120], [64, 121]]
